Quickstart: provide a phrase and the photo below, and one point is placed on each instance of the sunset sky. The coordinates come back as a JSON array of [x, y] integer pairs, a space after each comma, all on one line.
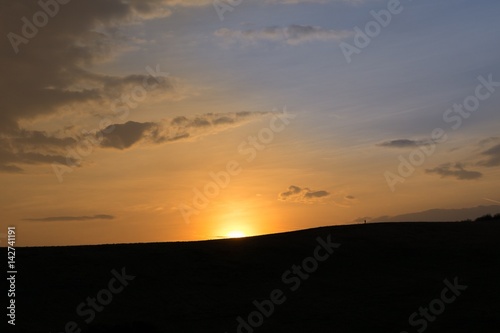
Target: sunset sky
[[116, 116]]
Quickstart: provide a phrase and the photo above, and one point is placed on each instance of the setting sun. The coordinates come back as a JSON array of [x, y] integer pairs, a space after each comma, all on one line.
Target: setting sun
[[235, 234]]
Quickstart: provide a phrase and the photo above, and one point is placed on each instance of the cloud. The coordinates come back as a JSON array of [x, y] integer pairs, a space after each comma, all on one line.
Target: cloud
[[54, 70], [303, 195], [457, 171], [493, 155], [316, 194], [23, 148], [8, 168], [404, 143], [291, 35], [488, 141], [292, 190], [36, 147], [32, 148], [72, 218], [51, 67], [47, 75], [123, 136]]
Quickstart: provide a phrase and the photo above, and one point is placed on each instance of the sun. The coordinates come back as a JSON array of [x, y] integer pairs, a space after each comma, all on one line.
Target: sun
[[235, 234]]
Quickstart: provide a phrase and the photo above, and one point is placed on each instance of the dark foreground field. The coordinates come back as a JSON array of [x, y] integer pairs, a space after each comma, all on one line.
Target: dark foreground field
[[379, 276]]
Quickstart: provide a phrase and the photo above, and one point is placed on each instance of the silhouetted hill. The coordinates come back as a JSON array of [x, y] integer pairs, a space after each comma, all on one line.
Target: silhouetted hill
[[379, 276]]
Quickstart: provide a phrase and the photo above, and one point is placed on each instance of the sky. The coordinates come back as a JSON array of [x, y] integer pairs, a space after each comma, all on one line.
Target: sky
[[175, 120]]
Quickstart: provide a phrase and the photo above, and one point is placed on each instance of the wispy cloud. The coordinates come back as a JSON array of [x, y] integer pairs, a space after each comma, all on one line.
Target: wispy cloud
[[72, 218], [303, 195], [123, 136], [291, 35], [456, 171], [9, 168], [488, 141], [404, 143], [493, 156]]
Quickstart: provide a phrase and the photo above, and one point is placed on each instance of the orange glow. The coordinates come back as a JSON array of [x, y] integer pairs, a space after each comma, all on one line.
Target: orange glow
[[236, 234]]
